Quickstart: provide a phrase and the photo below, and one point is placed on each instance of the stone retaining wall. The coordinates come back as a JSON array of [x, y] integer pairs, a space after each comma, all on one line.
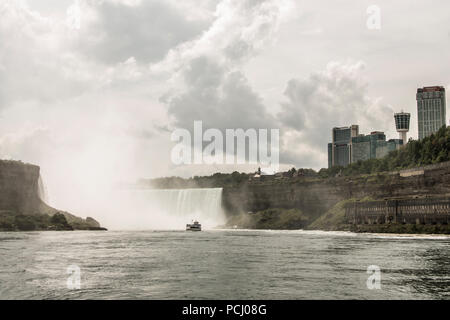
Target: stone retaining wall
[[411, 211]]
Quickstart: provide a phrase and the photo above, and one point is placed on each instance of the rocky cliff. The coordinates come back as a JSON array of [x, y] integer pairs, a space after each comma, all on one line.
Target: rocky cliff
[[19, 187], [19, 197], [314, 197]]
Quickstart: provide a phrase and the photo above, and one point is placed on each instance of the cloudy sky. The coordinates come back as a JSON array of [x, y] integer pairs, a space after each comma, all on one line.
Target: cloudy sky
[[94, 88]]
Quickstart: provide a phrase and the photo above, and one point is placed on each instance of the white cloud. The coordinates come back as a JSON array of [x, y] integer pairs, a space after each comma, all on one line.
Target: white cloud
[[336, 96]]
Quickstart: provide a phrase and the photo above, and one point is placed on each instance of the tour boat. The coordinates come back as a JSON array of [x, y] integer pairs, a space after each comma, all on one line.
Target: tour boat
[[194, 226]]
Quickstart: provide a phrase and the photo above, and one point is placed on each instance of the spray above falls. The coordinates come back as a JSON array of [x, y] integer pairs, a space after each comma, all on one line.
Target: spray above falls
[[171, 208]]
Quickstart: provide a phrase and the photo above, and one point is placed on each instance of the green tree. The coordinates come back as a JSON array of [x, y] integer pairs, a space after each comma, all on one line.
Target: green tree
[[25, 223], [58, 220]]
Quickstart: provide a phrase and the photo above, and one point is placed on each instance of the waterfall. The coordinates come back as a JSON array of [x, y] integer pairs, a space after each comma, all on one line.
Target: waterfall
[[172, 208], [42, 191]]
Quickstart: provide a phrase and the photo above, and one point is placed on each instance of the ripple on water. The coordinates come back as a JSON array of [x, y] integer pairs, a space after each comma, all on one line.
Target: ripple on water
[[223, 264]]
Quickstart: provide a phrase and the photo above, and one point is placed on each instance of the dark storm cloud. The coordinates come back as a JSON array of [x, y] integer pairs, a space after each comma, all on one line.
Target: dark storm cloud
[[221, 99], [213, 86], [146, 31]]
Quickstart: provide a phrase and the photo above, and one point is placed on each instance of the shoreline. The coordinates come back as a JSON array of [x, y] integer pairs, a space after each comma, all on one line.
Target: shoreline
[[293, 231]]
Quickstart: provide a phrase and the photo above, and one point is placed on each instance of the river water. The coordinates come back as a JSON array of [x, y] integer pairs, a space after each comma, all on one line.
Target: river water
[[221, 264]]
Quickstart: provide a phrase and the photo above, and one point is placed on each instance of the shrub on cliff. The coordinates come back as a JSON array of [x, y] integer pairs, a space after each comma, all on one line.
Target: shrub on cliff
[[58, 222], [274, 218], [25, 223], [7, 221], [334, 219]]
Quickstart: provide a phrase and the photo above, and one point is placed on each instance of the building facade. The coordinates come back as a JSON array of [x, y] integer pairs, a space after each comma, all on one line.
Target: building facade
[[373, 146], [384, 147], [365, 146], [340, 149], [431, 110]]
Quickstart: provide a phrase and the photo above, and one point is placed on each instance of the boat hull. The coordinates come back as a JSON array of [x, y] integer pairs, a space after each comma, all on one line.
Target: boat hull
[[194, 227]]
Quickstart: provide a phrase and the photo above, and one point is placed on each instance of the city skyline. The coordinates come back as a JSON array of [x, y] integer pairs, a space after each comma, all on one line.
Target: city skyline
[[349, 146]]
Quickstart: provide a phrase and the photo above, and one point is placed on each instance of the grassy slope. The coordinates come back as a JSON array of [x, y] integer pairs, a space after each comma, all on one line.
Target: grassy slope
[[271, 219], [333, 219]]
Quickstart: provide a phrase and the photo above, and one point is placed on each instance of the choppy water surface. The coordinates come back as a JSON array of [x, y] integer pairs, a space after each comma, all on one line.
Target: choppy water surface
[[221, 264]]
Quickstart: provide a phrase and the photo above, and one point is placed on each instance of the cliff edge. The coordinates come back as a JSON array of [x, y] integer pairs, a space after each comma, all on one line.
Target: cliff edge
[[21, 207]]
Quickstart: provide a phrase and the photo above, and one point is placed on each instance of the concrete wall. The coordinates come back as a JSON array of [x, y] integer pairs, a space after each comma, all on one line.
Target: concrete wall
[[411, 211], [421, 170]]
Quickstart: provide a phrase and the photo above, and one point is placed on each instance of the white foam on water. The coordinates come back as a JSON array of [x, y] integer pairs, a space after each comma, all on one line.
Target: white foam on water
[[407, 236], [348, 234]]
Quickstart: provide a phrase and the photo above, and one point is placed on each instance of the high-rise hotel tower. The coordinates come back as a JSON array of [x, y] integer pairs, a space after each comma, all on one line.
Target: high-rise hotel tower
[[430, 109], [340, 149]]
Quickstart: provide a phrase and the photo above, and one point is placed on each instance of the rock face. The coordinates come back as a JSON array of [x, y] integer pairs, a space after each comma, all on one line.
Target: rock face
[[316, 196], [19, 187], [19, 196]]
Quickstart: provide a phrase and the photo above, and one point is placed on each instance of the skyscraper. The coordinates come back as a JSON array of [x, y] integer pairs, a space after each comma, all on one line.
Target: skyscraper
[[340, 149], [364, 147], [431, 109], [373, 146]]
